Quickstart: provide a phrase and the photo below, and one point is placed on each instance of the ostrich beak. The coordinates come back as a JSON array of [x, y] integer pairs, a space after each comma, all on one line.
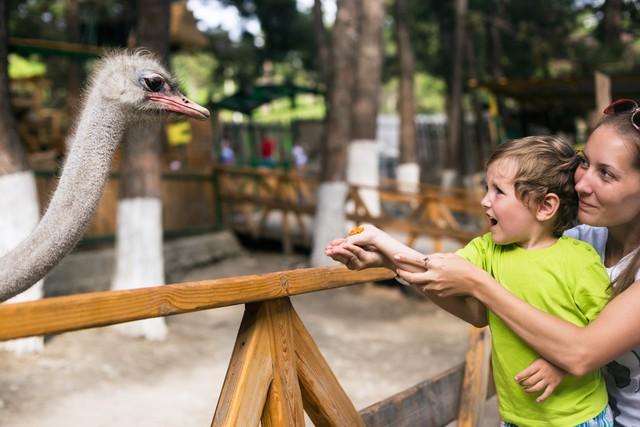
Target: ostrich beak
[[180, 104]]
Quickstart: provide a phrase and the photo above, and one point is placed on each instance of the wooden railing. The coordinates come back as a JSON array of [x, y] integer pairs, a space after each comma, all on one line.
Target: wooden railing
[[276, 372], [245, 198], [250, 196]]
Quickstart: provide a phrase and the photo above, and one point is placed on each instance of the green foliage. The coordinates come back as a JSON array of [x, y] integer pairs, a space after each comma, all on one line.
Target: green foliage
[[430, 94], [102, 22], [287, 33], [20, 67], [195, 73], [281, 111], [539, 38]]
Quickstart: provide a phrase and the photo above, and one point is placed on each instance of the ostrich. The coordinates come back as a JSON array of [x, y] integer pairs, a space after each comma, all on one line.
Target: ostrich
[[128, 89]]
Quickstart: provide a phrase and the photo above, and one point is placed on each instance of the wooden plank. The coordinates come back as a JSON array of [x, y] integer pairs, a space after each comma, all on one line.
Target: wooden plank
[[290, 195], [431, 403], [360, 207], [259, 229], [287, 245], [437, 244], [284, 401], [270, 203], [324, 400], [302, 228], [68, 313], [58, 46], [246, 210], [476, 378], [249, 373]]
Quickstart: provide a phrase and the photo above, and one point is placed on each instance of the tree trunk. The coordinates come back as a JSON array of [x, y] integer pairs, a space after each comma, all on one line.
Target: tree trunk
[[73, 78], [454, 122], [496, 40], [329, 219], [322, 45], [344, 42], [19, 206], [480, 143], [496, 69], [369, 69], [139, 259], [362, 163], [408, 171], [612, 22], [12, 155]]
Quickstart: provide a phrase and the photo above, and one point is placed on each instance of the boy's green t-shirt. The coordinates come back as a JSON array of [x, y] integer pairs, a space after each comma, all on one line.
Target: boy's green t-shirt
[[567, 280]]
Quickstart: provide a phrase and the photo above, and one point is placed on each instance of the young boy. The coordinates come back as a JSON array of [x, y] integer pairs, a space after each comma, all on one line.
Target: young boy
[[530, 201]]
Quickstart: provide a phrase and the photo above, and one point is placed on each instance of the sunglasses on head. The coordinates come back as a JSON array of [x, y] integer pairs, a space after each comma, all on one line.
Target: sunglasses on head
[[624, 106]]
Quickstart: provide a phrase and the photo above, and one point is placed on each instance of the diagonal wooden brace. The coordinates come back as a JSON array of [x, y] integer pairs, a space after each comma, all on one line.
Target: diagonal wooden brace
[[276, 372]]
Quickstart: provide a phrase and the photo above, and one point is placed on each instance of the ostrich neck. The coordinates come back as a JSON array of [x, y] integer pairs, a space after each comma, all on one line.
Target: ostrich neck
[[83, 178]]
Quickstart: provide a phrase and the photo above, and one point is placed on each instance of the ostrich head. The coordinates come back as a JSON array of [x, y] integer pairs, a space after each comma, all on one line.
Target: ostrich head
[[138, 83]]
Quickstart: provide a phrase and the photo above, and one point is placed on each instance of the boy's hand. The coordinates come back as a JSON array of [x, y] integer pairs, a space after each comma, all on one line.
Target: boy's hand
[[355, 257], [364, 235], [540, 376]]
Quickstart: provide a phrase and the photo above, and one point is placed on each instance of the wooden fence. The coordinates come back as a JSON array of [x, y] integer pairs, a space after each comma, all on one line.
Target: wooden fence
[[250, 196], [244, 199], [188, 203], [276, 371]]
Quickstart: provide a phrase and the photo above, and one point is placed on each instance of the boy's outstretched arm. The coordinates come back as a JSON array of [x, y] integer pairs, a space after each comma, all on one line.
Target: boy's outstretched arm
[[466, 308]]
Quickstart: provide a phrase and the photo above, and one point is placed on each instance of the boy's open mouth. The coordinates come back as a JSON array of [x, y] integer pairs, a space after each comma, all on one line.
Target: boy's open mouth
[[493, 221]]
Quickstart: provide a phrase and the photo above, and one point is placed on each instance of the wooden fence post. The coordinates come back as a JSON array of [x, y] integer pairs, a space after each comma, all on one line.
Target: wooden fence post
[[276, 372], [249, 374], [476, 378], [284, 401]]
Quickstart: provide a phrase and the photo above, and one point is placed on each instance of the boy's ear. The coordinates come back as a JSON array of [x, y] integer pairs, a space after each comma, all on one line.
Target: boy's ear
[[548, 207]]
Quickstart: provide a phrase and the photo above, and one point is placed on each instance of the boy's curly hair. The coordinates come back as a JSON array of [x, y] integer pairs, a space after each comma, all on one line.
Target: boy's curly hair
[[545, 164]]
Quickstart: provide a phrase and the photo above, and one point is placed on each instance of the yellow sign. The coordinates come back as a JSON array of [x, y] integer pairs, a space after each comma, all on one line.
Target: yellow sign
[[179, 133]]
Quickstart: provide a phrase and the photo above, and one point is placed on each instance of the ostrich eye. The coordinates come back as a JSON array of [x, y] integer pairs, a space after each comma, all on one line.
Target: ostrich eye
[[154, 84]]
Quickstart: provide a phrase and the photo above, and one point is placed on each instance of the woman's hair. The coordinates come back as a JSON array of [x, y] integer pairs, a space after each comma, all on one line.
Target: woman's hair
[[621, 124], [545, 164]]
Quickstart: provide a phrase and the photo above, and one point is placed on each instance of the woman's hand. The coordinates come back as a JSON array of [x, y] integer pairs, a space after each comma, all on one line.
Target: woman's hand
[[446, 274], [356, 257], [540, 376]]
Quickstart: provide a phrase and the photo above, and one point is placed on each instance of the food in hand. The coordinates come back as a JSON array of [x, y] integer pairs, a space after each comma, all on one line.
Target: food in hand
[[359, 229]]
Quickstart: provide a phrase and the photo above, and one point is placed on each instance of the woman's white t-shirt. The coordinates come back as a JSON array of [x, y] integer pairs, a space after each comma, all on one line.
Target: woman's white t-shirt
[[623, 374]]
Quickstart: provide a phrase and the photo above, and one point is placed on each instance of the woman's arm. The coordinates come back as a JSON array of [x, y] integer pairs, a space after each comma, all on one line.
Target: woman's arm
[[575, 349], [578, 350]]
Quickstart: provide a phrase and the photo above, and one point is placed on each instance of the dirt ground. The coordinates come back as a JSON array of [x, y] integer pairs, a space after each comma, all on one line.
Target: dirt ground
[[377, 339]]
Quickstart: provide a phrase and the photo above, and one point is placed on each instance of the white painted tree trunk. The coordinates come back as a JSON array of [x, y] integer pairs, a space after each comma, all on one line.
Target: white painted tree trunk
[[363, 169], [19, 215], [408, 176], [329, 222], [139, 259]]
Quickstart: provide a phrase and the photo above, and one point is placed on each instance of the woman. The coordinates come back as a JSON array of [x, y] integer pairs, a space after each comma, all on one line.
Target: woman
[[608, 186]]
